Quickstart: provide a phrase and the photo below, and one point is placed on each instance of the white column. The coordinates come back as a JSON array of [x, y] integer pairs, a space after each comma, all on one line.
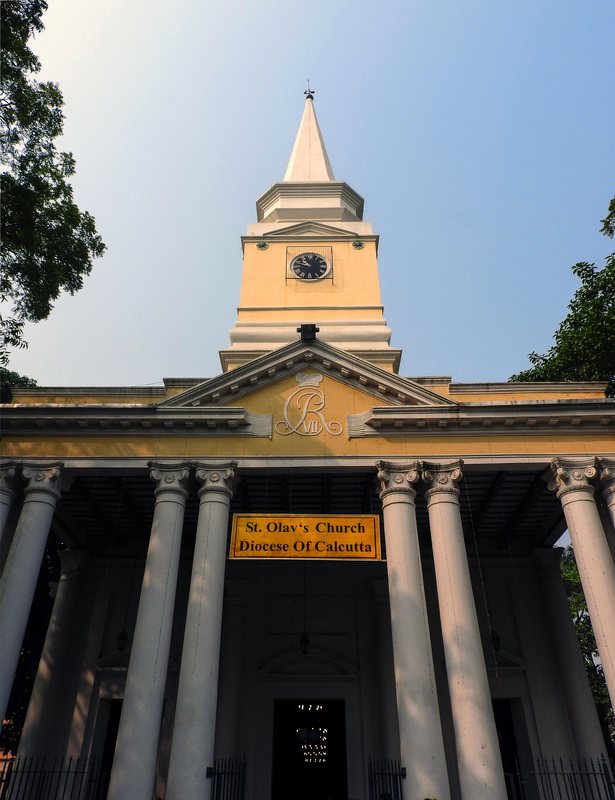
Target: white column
[[576, 691], [7, 492], [596, 568], [607, 474], [420, 728], [386, 670], [51, 674], [134, 764], [23, 564], [231, 668], [192, 750], [478, 753]]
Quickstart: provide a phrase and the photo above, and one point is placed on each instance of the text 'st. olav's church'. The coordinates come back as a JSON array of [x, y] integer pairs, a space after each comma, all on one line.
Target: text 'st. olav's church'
[[309, 578]]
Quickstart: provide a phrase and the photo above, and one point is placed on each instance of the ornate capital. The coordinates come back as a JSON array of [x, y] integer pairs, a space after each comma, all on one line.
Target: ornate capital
[[170, 477], [45, 478], [393, 477], [216, 477], [607, 476], [442, 477], [572, 475], [8, 472]]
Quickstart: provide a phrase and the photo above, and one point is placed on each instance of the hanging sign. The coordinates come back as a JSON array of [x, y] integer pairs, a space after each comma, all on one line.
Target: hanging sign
[[306, 536]]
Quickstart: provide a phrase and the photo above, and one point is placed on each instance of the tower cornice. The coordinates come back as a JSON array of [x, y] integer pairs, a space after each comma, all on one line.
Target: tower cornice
[[313, 200]]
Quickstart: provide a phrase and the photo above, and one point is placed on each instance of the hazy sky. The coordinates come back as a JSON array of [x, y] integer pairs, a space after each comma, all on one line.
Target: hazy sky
[[481, 135]]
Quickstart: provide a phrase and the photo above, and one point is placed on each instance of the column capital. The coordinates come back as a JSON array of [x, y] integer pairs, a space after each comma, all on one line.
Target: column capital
[[607, 476], [218, 477], [397, 477], [441, 478], [170, 476], [572, 475], [8, 479], [44, 477]]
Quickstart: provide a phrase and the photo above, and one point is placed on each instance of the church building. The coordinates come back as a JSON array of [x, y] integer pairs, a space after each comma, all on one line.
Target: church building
[[309, 577]]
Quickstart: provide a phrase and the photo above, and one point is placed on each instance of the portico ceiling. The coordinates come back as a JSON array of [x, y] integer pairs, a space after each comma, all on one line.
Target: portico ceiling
[[504, 512]]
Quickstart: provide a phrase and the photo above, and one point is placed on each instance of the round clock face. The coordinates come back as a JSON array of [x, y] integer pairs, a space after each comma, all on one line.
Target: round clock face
[[309, 266]]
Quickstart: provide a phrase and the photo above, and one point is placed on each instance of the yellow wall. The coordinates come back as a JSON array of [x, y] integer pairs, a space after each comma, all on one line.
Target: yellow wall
[[264, 283], [340, 400]]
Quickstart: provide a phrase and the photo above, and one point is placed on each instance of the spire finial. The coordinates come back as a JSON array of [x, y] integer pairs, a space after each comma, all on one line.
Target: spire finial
[[309, 93]]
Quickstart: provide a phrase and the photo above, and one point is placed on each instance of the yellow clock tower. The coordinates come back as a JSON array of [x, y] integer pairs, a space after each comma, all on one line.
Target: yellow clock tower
[[310, 258]]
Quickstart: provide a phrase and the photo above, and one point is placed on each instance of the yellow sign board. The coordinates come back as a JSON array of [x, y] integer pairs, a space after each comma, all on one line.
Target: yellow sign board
[[306, 536]]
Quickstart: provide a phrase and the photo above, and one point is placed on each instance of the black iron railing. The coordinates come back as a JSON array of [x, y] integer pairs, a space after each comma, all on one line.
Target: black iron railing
[[49, 779], [228, 779], [582, 779], [542, 779], [385, 777], [560, 779]]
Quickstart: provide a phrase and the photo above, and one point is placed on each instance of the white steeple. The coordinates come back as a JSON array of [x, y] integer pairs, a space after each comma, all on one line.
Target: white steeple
[[309, 190], [309, 212], [309, 160]]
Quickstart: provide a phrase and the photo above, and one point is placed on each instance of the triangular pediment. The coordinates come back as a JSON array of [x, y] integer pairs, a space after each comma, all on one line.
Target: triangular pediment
[[385, 388], [310, 228]]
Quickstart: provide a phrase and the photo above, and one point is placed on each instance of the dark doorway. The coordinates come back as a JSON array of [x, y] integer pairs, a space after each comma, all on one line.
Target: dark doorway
[[106, 761], [508, 747], [309, 750]]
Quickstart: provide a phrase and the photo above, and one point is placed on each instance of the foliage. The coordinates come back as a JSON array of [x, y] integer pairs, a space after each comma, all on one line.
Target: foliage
[[10, 380], [587, 642], [47, 243], [584, 348], [608, 223]]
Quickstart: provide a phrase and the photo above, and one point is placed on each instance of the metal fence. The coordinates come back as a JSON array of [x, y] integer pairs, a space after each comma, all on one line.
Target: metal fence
[[385, 777], [557, 779], [575, 780], [228, 779], [42, 779]]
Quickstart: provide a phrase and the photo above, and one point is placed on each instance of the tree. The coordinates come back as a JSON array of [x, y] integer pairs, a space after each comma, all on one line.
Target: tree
[[47, 243], [9, 380], [584, 348], [587, 643], [608, 223]]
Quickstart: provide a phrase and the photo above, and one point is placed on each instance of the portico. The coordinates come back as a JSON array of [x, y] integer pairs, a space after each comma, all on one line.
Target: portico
[[452, 655]]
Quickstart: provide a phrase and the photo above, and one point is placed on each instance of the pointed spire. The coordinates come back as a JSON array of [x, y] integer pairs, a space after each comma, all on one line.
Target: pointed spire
[[309, 160]]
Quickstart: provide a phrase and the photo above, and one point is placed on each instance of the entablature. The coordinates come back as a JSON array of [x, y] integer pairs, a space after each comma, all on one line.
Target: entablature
[[133, 420], [476, 419]]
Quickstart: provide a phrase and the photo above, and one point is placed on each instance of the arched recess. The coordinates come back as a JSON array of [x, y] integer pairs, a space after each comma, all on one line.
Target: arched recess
[[317, 664]]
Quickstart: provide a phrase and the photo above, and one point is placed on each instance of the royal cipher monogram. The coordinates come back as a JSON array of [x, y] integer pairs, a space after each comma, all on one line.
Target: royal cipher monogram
[[310, 402]]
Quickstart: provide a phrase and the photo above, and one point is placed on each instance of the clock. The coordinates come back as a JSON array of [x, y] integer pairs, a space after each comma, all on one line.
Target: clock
[[310, 267]]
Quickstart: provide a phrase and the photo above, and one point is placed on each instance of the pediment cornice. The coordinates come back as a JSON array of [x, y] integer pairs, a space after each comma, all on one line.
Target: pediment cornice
[[340, 365], [309, 228]]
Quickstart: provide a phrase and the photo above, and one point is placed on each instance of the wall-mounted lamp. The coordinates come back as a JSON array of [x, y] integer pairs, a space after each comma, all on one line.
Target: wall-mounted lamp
[[122, 638]]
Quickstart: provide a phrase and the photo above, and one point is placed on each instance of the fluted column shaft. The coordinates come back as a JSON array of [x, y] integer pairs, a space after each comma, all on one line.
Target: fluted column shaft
[[18, 582], [7, 492], [42, 707], [420, 728], [593, 557], [478, 753], [584, 723], [134, 763], [192, 750]]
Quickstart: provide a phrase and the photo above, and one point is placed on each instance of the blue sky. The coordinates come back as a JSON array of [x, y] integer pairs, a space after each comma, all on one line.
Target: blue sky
[[481, 135]]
